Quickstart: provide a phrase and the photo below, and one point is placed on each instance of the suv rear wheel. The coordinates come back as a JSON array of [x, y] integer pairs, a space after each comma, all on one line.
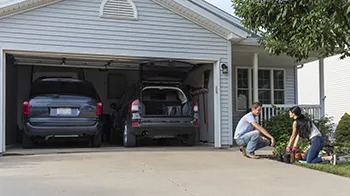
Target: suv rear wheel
[[27, 142], [189, 140], [129, 140], [96, 140]]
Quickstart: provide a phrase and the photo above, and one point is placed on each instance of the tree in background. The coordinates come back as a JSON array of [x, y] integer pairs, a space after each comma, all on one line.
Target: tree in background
[[298, 28]]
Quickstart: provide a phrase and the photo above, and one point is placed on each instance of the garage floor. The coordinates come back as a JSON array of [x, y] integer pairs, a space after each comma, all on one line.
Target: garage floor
[[161, 171]]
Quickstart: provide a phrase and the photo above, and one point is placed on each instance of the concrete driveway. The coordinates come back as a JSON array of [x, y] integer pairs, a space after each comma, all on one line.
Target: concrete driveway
[[161, 171]]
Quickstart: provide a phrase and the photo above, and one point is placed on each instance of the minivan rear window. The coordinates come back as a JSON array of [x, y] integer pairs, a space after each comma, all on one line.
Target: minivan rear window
[[63, 88]]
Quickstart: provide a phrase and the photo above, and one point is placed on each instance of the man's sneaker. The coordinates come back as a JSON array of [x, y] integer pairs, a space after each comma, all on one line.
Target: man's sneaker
[[242, 149], [252, 156]]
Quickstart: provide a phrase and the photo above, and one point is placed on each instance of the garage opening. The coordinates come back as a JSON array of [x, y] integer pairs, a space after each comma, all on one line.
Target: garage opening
[[114, 80]]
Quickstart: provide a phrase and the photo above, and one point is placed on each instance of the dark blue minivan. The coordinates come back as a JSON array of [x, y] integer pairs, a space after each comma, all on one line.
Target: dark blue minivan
[[62, 107]]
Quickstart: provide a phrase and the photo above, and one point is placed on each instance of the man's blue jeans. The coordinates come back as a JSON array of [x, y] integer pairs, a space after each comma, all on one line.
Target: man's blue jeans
[[251, 141]]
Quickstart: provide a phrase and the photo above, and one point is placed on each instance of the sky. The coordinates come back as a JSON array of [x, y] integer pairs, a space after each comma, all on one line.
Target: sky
[[225, 5]]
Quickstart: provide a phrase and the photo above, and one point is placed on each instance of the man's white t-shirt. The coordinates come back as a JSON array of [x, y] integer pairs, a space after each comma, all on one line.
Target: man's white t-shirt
[[244, 125]]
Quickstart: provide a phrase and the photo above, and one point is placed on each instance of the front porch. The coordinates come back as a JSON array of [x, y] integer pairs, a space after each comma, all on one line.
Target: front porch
[[271, 80]]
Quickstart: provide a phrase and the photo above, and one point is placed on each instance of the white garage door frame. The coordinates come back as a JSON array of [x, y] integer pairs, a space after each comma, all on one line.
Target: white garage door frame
[[4, 51]]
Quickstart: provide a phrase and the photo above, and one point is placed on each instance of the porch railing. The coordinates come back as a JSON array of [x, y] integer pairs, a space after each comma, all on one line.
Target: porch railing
[[269, 111]]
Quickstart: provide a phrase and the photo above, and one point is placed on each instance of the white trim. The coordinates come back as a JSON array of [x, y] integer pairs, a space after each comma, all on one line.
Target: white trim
[[132, 4], [24, 6], [102, 52], [2, 101], [230, 78], [255, 77], [249, 82], [321, 83], [250, 87], [272, 85], [296, 91], [25, 49], [217, 105]]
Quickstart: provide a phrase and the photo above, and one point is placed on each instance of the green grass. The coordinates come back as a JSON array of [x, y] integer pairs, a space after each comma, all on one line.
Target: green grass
[[341, 169]]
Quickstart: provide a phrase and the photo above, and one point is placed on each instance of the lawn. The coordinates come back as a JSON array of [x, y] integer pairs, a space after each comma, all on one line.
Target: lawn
[[341, 169]]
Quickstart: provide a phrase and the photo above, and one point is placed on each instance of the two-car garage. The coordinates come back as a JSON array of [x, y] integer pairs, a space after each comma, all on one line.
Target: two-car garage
[[112, 79], [104, 42]]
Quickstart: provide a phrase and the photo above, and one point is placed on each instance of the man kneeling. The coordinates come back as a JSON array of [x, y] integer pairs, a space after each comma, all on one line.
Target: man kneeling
[[250, 135]]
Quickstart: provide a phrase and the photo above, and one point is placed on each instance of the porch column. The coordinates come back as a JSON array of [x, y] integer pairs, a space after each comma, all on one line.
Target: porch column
[[255, 78], [321, 83], [2, 102]]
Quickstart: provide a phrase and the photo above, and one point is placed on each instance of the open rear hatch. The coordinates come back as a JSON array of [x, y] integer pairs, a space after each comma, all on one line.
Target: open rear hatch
[[165, 101], [167, 70]]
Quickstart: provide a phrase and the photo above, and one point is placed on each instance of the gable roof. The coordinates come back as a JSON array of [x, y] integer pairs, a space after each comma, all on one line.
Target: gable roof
[[197, 11]]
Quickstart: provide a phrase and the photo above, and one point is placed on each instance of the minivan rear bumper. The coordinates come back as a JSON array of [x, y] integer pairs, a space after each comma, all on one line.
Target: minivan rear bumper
[[164, 129], [43, 131]]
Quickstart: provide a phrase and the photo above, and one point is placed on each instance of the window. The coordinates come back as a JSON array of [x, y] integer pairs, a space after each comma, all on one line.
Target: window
[[63, 87], [243, 89], [270, 84], [278, 79]]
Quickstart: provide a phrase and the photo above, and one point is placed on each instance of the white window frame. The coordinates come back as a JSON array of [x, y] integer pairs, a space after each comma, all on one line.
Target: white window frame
[[250, 87]]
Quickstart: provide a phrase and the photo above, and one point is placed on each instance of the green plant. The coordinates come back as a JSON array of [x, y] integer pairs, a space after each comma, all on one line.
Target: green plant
[[280, 148], [279, 126], [303, 145], [342, 132]]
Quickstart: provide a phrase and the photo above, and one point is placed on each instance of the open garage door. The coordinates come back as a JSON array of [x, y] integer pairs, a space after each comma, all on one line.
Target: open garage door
[[112, 78]]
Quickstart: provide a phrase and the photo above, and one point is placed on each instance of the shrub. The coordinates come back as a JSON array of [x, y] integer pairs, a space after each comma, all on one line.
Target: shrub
[[279, 126], [325, 126], [342, 132]]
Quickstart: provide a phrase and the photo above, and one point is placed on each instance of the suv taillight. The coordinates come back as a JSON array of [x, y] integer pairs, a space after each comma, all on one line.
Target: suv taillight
[[135, 106], [195, 110], [26, 108], [195, 106], [99, 108]]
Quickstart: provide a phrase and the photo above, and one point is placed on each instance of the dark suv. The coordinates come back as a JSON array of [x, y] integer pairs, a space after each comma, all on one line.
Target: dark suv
[[160, 106], [62, 107]]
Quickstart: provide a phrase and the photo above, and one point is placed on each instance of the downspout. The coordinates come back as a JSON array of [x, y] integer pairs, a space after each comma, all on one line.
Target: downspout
[[296, 93]]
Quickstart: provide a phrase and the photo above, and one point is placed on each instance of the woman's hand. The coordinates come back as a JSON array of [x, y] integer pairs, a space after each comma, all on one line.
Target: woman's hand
[[294, 150], [288, 149]]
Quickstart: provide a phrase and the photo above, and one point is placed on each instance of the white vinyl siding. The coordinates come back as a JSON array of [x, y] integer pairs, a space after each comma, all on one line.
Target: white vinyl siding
[[225, 107], [75, 24], [337, 85]]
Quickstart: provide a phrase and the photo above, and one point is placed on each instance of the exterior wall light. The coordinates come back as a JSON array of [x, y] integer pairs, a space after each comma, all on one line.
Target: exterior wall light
[[224, 68]]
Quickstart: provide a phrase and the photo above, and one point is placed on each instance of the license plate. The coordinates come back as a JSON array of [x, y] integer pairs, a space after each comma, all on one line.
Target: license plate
[[64, 111]]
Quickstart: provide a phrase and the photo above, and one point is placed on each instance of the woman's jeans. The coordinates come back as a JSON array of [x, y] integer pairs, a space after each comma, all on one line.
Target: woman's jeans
[[312, 153], [251, 141]]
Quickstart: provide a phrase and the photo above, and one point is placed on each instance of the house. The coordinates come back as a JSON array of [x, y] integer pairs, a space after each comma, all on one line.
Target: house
[[337, 83], [105, 38]]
